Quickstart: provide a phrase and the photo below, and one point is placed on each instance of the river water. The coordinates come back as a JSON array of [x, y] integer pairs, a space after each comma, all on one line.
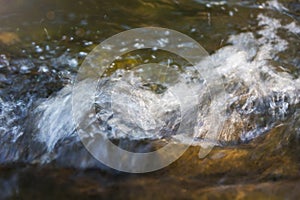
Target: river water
[[255, 50]]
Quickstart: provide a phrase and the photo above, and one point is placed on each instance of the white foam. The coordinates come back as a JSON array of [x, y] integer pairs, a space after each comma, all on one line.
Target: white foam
[[253, 87]]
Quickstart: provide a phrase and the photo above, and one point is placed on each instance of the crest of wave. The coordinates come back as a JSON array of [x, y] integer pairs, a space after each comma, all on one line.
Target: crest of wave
[[257, 95], [254, 96]]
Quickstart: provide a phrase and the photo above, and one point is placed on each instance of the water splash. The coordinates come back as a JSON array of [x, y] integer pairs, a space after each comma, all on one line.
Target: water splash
[[258, 96], [254, 89], [10, 113]]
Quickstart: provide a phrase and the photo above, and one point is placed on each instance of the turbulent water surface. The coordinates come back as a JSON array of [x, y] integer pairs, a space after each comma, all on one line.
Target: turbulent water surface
[[252, 98]]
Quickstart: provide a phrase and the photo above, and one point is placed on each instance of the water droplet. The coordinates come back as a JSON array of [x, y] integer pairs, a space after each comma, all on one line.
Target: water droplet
[[47, 48], [138, 45], [82, 54], [38, 49], [24, 69], [88, 43], [193, 30], [73, 62], [43, 69], [154, 48], [3, 61]]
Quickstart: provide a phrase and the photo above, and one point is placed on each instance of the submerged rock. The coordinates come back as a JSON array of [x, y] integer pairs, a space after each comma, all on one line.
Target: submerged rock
[[9, 38]]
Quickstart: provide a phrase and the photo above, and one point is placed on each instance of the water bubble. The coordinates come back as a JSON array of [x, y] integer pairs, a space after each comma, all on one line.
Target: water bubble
[[88, 43], [43, 69], [24, 69], [38, 49], [82, 54], [162, 42], [3, 61], [73, 62], [123, 49], [193, 30], [139, 45], [154, 48], [47, 48]]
